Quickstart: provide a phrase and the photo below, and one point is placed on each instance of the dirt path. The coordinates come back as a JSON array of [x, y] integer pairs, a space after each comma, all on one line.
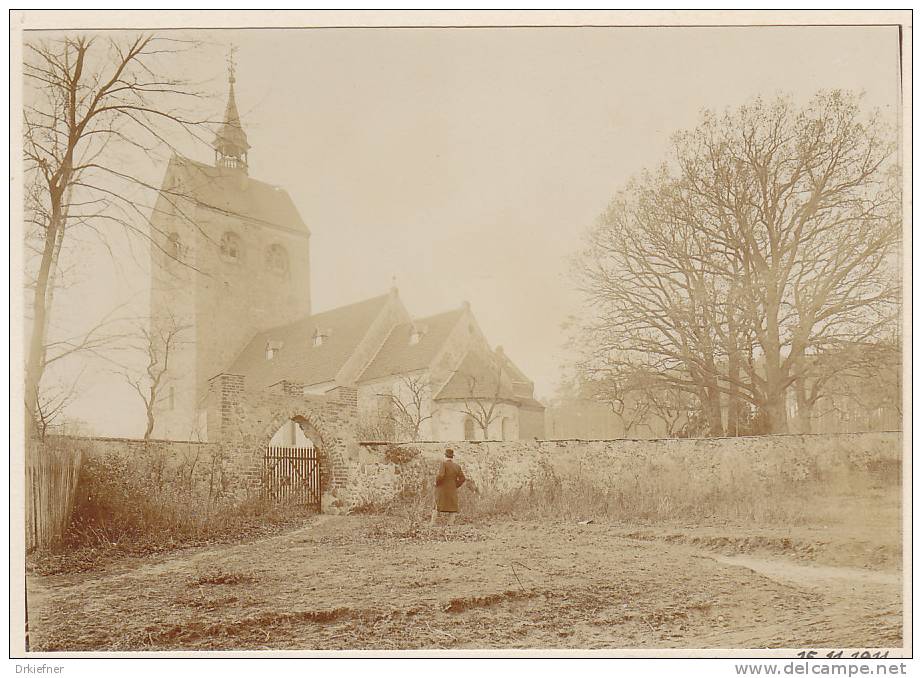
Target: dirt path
[[364, 583], [820, 576]]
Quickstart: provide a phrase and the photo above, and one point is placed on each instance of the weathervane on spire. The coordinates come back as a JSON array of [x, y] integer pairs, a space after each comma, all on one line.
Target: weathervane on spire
[[230, 142], [231, 62]]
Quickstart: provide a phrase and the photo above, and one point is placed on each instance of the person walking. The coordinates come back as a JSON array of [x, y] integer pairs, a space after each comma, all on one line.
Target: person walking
[[447, 482]]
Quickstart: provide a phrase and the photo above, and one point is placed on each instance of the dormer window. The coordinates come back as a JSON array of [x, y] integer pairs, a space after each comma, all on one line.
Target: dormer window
[[231, 248], [321, 336], [272, 349], [417, 333]]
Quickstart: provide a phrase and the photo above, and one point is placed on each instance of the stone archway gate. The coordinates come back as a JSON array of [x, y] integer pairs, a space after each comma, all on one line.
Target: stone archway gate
[[246, 421]]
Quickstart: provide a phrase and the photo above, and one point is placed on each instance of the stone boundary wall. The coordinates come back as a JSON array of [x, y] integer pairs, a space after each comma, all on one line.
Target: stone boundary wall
[[375, 473], [204, 469], [384, 470]]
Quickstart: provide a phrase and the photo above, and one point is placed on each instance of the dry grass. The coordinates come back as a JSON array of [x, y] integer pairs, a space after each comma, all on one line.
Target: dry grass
[[664, 493], [358, 582], [125, 507]]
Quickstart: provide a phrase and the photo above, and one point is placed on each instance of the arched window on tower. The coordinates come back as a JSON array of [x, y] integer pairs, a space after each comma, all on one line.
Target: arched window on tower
[[231, 247], [277, 260]]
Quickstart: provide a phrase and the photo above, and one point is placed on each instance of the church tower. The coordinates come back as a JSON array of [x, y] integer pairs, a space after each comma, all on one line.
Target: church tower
[[230, 257]]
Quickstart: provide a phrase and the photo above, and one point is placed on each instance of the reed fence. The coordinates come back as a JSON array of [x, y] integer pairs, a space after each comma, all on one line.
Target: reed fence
[[52, 473]]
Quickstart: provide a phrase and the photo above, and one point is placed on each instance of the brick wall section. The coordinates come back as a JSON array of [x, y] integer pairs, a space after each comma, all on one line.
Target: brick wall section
[[496, 465]]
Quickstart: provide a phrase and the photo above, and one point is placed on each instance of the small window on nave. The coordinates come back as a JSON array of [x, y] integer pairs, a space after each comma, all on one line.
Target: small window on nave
[[277, 260], [231, 247]]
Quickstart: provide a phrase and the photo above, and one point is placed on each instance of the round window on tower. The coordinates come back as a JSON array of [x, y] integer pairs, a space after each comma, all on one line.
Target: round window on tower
[[231, 247], [277, 260]]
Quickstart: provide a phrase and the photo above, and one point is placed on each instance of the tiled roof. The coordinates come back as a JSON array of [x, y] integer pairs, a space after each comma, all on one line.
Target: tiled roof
[[222, 191], [398, 356], [476, 378], [298, 360]]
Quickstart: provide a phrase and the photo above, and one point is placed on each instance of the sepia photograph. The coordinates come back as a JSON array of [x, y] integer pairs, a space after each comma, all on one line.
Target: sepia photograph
[[397, 332]]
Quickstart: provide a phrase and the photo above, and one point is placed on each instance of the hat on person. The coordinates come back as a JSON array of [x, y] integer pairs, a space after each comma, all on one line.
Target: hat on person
[[449, 453]]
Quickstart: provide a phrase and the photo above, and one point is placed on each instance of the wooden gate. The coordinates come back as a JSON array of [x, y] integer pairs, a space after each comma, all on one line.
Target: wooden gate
[[292, 475]]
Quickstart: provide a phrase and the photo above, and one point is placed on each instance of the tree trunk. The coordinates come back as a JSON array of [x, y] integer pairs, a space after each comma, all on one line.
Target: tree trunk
[[35, 364], [775, 406], [803, 419], [776, 419], [44, 282], [150, 424], [715, 415], [734, 371]]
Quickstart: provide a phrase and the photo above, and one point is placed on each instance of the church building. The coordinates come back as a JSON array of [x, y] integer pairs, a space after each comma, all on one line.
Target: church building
[[230, 267]]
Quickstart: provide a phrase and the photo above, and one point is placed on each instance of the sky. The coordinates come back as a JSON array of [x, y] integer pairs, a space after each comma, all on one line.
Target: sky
[[469, 163]]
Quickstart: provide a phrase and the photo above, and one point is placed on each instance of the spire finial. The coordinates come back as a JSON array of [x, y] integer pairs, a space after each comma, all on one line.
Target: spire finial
[[231, 63]]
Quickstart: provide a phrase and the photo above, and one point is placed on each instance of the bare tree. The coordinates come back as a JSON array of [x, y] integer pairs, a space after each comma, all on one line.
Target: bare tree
[[88, 102], [772, 236], [484, 394], [639, 400], [50, 407], [374, 425], [404, 410], [50, 402], [858, 378], [158, 342]]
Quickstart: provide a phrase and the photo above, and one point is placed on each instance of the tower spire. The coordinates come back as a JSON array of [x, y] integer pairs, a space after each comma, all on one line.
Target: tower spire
[[230, 144]]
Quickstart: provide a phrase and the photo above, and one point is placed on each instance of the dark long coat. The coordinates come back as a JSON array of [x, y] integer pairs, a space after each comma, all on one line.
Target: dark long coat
[[447, 482]]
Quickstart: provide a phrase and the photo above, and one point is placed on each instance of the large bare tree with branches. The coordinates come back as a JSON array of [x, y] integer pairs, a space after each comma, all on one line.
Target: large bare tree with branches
[[89, 103], [484, 391], [405, 408], [769, 239]]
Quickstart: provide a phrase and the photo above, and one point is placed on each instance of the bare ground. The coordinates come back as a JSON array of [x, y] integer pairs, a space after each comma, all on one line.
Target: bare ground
[[375, 583]]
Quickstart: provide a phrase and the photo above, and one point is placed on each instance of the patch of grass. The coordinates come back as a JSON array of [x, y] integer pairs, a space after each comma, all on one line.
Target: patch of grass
[[661, 491], [83, 556], [139, 506], [469, 602]]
